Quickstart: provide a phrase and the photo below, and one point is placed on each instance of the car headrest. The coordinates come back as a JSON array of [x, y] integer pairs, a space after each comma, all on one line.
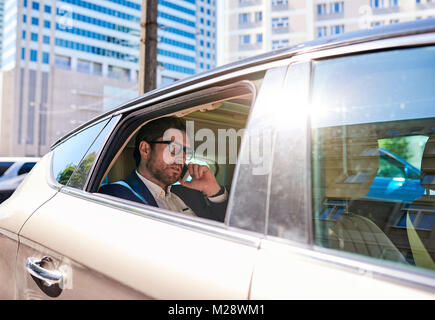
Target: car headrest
[[428, 165]]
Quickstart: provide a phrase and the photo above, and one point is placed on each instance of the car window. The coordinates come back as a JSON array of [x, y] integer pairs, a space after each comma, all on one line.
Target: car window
[[78, 178], [373, 155], [4, 166], [68, 154], [215, 124], [26, 167]]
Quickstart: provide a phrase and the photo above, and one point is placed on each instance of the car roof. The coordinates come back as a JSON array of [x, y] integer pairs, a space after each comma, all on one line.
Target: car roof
[[367, 35]]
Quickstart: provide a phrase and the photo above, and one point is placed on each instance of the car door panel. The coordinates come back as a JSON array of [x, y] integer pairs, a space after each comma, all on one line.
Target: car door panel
[[8, 247], [286, 271], [13, 214], [91, 284], [26, 198], [158, 259]]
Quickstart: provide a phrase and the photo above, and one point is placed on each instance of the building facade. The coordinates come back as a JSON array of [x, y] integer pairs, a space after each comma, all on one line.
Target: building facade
[[257, 26], [206, 43], [67, 61]]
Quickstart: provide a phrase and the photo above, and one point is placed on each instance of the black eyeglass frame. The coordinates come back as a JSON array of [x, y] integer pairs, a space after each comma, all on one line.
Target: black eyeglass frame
[[189, 156]]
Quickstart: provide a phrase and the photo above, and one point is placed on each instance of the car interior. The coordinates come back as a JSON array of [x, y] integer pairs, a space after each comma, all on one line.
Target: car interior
[[386, 224], [227, 114]]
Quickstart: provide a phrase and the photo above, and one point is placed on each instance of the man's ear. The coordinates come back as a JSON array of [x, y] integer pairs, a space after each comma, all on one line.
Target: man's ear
[[144, 149]]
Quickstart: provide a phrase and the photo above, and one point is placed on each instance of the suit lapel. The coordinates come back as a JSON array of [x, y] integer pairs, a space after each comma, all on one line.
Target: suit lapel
[[138, 186]]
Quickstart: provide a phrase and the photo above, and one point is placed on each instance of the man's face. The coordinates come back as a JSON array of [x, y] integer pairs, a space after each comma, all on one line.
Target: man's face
[[163, 162]]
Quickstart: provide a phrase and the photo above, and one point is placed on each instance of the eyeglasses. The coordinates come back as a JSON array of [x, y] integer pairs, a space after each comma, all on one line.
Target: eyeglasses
[[176, 148]]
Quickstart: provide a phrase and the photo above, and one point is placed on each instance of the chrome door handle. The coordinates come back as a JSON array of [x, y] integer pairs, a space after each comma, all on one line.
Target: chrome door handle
[[49, 277]]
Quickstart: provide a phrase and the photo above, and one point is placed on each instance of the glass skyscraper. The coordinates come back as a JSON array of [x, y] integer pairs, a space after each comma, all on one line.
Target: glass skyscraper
[[66, 61]]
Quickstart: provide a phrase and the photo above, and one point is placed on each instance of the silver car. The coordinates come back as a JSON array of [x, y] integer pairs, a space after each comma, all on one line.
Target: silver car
[[294, 136], [13, 171]]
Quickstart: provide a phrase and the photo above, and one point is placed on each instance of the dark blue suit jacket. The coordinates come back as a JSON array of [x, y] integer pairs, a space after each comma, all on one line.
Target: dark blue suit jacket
[[196, 200]]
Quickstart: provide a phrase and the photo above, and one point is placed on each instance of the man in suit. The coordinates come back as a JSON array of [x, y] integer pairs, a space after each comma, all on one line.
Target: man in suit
[[161, 151]]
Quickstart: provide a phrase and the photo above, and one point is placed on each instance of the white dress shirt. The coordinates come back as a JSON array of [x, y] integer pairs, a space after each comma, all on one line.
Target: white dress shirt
[[171, 201]]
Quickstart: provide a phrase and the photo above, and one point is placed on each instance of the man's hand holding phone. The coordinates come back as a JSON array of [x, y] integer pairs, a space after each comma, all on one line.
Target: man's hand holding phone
[[202, 179]]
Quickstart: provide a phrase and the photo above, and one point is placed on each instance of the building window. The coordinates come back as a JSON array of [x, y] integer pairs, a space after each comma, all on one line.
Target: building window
[[62, 62], [84, 66], [279, 2], [394, 3], [33, 55], [46, 39], [97, 69], [35, 21], [45, 57], [259, 37], [321, 9], [119, 73], [34, 37], [281, 22], [336, 7], [321, 32], [258, 16], [244, 18], [245, 39], [337, 29], [278, 44], [377, 3], [377, 24], [35, 5]]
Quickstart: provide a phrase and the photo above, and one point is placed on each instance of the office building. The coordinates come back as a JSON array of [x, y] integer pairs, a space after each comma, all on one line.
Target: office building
[[67, 61], [256, 26]]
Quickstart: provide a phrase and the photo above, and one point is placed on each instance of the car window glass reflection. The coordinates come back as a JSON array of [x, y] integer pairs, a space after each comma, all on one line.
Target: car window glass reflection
[[80, 175], [373, 155], [68, 154]]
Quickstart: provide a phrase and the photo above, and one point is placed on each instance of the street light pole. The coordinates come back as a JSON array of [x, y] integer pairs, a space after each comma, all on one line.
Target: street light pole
[[148, 47]]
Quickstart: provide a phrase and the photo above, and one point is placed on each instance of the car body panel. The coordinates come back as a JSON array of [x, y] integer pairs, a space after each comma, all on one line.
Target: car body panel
[[30, 194], [9, 249], [159, 260], [286, 271], [13, 214]]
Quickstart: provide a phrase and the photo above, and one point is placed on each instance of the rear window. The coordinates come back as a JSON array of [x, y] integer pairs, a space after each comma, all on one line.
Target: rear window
[[373, 155], [4, 166], [26, 167]]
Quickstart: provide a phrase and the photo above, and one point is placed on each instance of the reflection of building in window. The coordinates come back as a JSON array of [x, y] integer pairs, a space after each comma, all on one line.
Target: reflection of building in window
[[423, 218]]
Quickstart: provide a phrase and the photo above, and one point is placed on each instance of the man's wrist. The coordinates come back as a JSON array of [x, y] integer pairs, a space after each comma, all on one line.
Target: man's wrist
[[221, 191]]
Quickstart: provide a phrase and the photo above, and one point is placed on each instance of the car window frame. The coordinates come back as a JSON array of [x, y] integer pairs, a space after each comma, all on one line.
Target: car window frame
[[128, 207], [198, 224]]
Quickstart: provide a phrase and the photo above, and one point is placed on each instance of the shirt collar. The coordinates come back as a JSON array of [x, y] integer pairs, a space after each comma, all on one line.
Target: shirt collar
[[155, 189]]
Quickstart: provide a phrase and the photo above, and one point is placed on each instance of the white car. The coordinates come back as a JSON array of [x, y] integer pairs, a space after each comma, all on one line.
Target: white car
[[294, 136], [13, 171]]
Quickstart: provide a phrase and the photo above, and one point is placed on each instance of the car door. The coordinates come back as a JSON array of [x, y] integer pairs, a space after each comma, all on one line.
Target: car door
[[13, 214], [327, 238], [106, 248]]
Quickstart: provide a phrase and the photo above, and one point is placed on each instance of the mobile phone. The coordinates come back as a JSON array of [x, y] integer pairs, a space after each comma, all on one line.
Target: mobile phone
[[184, 173]]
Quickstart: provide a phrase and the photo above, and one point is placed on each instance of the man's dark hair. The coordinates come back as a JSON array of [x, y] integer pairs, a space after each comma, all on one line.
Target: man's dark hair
[[154, 130]]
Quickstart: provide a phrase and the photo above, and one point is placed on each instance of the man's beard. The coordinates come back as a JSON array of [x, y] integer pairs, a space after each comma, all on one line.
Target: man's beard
[[164, 175]]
